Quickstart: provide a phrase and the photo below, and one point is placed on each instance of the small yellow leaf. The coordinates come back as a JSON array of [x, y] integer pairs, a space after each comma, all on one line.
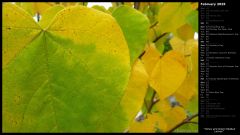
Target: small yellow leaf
[[150, 58], [185, 32], [168, 74]]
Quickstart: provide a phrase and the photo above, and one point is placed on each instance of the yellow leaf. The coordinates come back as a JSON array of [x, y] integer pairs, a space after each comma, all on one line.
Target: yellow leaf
[[159, 122], [184, 47], [177, 44], [21, 28], [185, 32], [40, 7], [168, 74], [172, 15], [149, 124], [48, 15], [194, 57], [150, 58], [186, 91], [35, 7], [136, 90], [175, 116], [145, 126], [163, 106]]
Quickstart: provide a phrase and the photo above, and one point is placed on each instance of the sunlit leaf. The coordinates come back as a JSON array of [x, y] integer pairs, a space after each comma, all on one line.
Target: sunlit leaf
[[168, 74], [150, 58]]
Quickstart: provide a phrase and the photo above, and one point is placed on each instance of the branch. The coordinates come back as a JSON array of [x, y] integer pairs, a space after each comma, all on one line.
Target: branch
[[159, 37], [140, 56], [153, 25], [152, 103], [187, 120]]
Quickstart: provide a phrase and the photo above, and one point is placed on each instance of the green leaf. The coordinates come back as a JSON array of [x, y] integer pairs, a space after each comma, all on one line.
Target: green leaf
[[192, 19], [135, 27], [67, 78]]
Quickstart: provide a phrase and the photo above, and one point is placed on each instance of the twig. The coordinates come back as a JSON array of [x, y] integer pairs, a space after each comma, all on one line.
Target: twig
[[153, 25], [159, 37], [152, 103], [187, 120], [140, 56]]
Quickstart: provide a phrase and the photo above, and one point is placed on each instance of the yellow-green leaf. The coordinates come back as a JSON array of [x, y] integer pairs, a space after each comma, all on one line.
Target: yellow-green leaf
[[18, 27], [172, 15], [67, 78], [48, 15]]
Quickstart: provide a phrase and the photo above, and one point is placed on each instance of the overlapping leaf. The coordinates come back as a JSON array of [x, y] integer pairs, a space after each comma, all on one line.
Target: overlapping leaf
[[168, 74]]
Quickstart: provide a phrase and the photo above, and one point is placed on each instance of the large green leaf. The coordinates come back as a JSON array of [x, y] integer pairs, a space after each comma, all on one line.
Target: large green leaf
[[135, 27], [67, 78]]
